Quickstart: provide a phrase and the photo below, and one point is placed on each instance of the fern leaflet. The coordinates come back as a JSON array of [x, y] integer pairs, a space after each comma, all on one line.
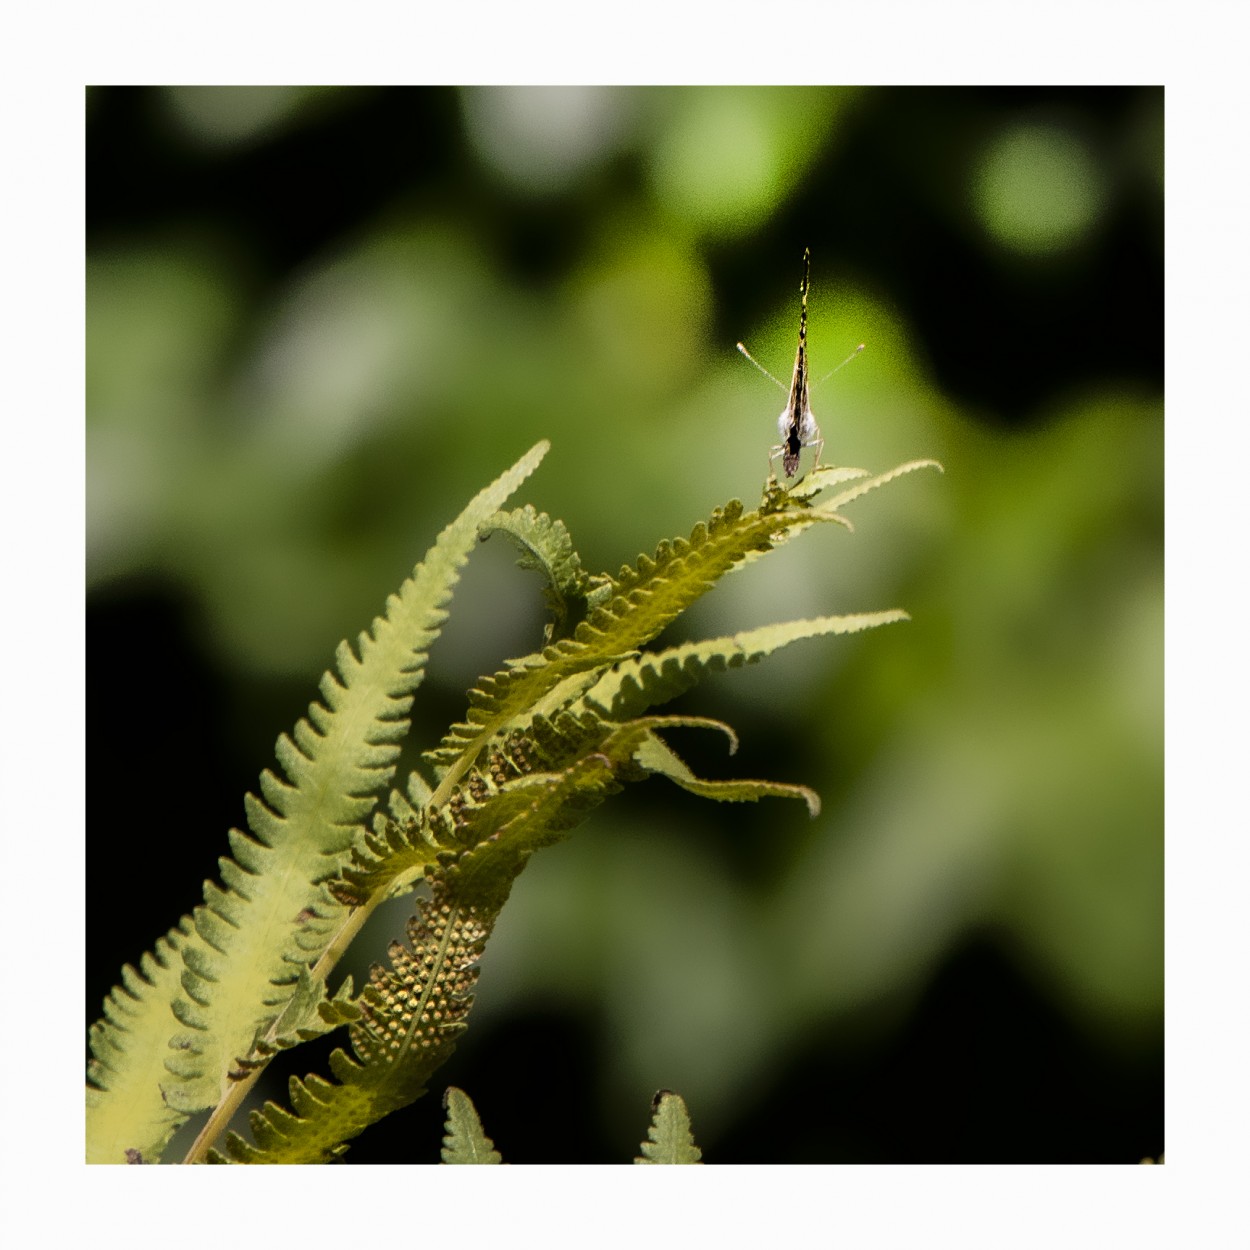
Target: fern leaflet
[[669, 1139], [465, 1141]]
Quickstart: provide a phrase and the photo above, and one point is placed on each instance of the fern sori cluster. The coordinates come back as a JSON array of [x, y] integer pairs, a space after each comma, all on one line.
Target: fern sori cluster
[[545, 740], [409, 1016]]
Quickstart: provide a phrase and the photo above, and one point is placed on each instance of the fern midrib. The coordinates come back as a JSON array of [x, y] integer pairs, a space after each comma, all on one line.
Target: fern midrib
[[456, 909]]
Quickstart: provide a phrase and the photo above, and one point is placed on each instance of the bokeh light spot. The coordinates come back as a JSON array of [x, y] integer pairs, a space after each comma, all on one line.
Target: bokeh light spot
[[220, 116], [1038, 189], [721, 161], [542, 138]]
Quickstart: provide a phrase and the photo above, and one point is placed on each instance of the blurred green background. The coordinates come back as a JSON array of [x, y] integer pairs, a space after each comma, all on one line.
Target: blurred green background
[[318, 320]]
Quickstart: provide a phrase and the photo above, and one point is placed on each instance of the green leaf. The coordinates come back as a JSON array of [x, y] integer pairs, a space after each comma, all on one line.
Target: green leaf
[[465, 1142], [669, 1139]]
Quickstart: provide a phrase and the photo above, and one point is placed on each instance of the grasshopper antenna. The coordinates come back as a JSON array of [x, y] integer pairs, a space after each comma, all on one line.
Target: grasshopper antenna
[[764, 371], [831, 372]]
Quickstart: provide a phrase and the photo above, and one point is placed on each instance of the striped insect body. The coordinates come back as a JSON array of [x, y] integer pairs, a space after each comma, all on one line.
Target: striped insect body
[[798, 453]]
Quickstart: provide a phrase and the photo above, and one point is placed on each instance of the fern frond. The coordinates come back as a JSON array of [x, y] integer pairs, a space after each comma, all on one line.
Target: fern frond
[[404, 804], [393, 860], [540, 810], [309, 1012], [552, 742], [646, 597], [411, 1015], [778, 496], [404, 808], [656, 756], [273, 916], [643, 681], [669, 1138], [388, 862], [487, 870], [503, 829], [409, 1022], [545, 740], [830, 506], [498, 699], [545, 545], [125, 1110], [465, 1142]]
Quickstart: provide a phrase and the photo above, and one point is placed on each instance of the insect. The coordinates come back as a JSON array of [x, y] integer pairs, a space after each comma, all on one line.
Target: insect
[[797, 425]]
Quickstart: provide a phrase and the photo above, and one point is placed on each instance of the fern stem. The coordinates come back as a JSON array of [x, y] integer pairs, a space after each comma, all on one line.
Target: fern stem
[[221, 1116], [353, 922], [440, 796]]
